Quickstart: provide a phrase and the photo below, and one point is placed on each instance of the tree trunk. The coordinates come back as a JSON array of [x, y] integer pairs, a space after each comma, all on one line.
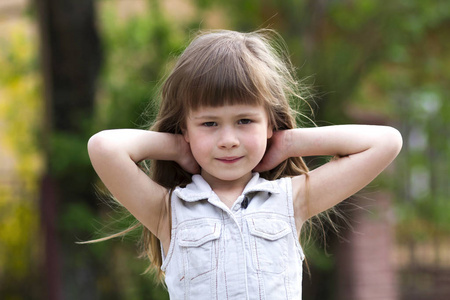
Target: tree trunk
[[70, 63]]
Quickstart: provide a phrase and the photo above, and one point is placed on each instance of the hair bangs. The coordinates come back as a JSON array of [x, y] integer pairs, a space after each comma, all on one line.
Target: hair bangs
[[220, 87], [220, 77]]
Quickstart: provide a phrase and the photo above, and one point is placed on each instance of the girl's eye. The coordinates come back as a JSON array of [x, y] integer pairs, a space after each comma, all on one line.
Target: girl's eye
[[244, 121], [210, 124]]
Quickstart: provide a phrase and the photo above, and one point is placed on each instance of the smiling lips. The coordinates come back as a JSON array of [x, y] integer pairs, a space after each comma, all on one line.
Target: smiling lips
[[230, 159]]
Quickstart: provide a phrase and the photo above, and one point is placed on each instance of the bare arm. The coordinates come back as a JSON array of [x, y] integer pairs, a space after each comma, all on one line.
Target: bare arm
[[363, 152], [114, 155]]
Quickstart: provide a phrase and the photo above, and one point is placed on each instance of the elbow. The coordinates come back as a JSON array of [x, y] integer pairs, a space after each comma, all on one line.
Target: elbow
[[98, 145], [394, 140], [397, 140], [94, 143]]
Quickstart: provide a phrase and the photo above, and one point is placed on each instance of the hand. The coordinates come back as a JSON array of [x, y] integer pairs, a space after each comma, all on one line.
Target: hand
[[276, 152], [185, 158]]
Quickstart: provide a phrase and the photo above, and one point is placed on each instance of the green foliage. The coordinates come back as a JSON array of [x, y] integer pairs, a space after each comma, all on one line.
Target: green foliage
[[77, 217], [411, 88], [20, 160], [137, 51], [316, 257], [68, 155]]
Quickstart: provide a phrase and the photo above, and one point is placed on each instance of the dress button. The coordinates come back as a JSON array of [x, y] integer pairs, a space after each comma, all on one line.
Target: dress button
[[244, 203]]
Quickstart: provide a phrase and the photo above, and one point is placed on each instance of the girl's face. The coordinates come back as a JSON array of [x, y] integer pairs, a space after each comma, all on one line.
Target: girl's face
[[228, 141]]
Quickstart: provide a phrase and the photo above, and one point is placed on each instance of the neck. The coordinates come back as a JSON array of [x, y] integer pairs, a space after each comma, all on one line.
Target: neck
[[227, 190]]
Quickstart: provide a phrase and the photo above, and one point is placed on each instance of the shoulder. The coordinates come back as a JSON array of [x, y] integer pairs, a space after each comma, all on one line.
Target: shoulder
[[287, 192], [281, 182], [197, 189], [284, 185]]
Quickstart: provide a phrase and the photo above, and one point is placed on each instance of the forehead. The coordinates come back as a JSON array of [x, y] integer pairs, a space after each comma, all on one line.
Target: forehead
[[235, 110]]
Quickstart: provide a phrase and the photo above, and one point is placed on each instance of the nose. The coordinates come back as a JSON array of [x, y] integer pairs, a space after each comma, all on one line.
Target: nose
[[228, 138]]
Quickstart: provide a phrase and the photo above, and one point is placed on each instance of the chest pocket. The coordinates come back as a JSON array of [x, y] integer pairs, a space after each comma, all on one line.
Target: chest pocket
[[199, 248], [268, 243]]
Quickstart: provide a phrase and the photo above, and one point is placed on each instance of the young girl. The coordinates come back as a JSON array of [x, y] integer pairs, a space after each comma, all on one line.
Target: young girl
[[228, 192]]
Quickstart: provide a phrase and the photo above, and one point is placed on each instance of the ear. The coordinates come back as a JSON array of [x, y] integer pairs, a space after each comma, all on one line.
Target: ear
[[185, 135], [269, 132]]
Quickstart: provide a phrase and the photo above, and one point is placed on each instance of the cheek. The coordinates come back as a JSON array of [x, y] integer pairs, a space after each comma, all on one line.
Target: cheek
[[263, 147], [199, 145], [258, 144]]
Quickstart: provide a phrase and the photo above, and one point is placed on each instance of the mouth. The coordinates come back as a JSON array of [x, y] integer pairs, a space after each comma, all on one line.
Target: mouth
[[229, 159]]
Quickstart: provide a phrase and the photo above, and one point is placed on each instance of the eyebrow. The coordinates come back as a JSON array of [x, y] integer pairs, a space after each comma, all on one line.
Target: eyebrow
[[241, 115]]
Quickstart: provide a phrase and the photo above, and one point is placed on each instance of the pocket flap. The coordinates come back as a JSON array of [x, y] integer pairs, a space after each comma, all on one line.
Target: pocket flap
[[270, 229], [197, 235]]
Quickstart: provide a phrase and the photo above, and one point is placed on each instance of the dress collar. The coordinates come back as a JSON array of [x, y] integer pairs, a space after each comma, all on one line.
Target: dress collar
[[199, 189]]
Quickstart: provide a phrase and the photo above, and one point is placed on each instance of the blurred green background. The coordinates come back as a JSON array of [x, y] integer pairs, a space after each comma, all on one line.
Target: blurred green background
[[70, 68]]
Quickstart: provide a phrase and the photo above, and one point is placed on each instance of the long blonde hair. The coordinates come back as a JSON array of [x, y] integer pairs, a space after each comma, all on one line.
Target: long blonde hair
[[224, 68]]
